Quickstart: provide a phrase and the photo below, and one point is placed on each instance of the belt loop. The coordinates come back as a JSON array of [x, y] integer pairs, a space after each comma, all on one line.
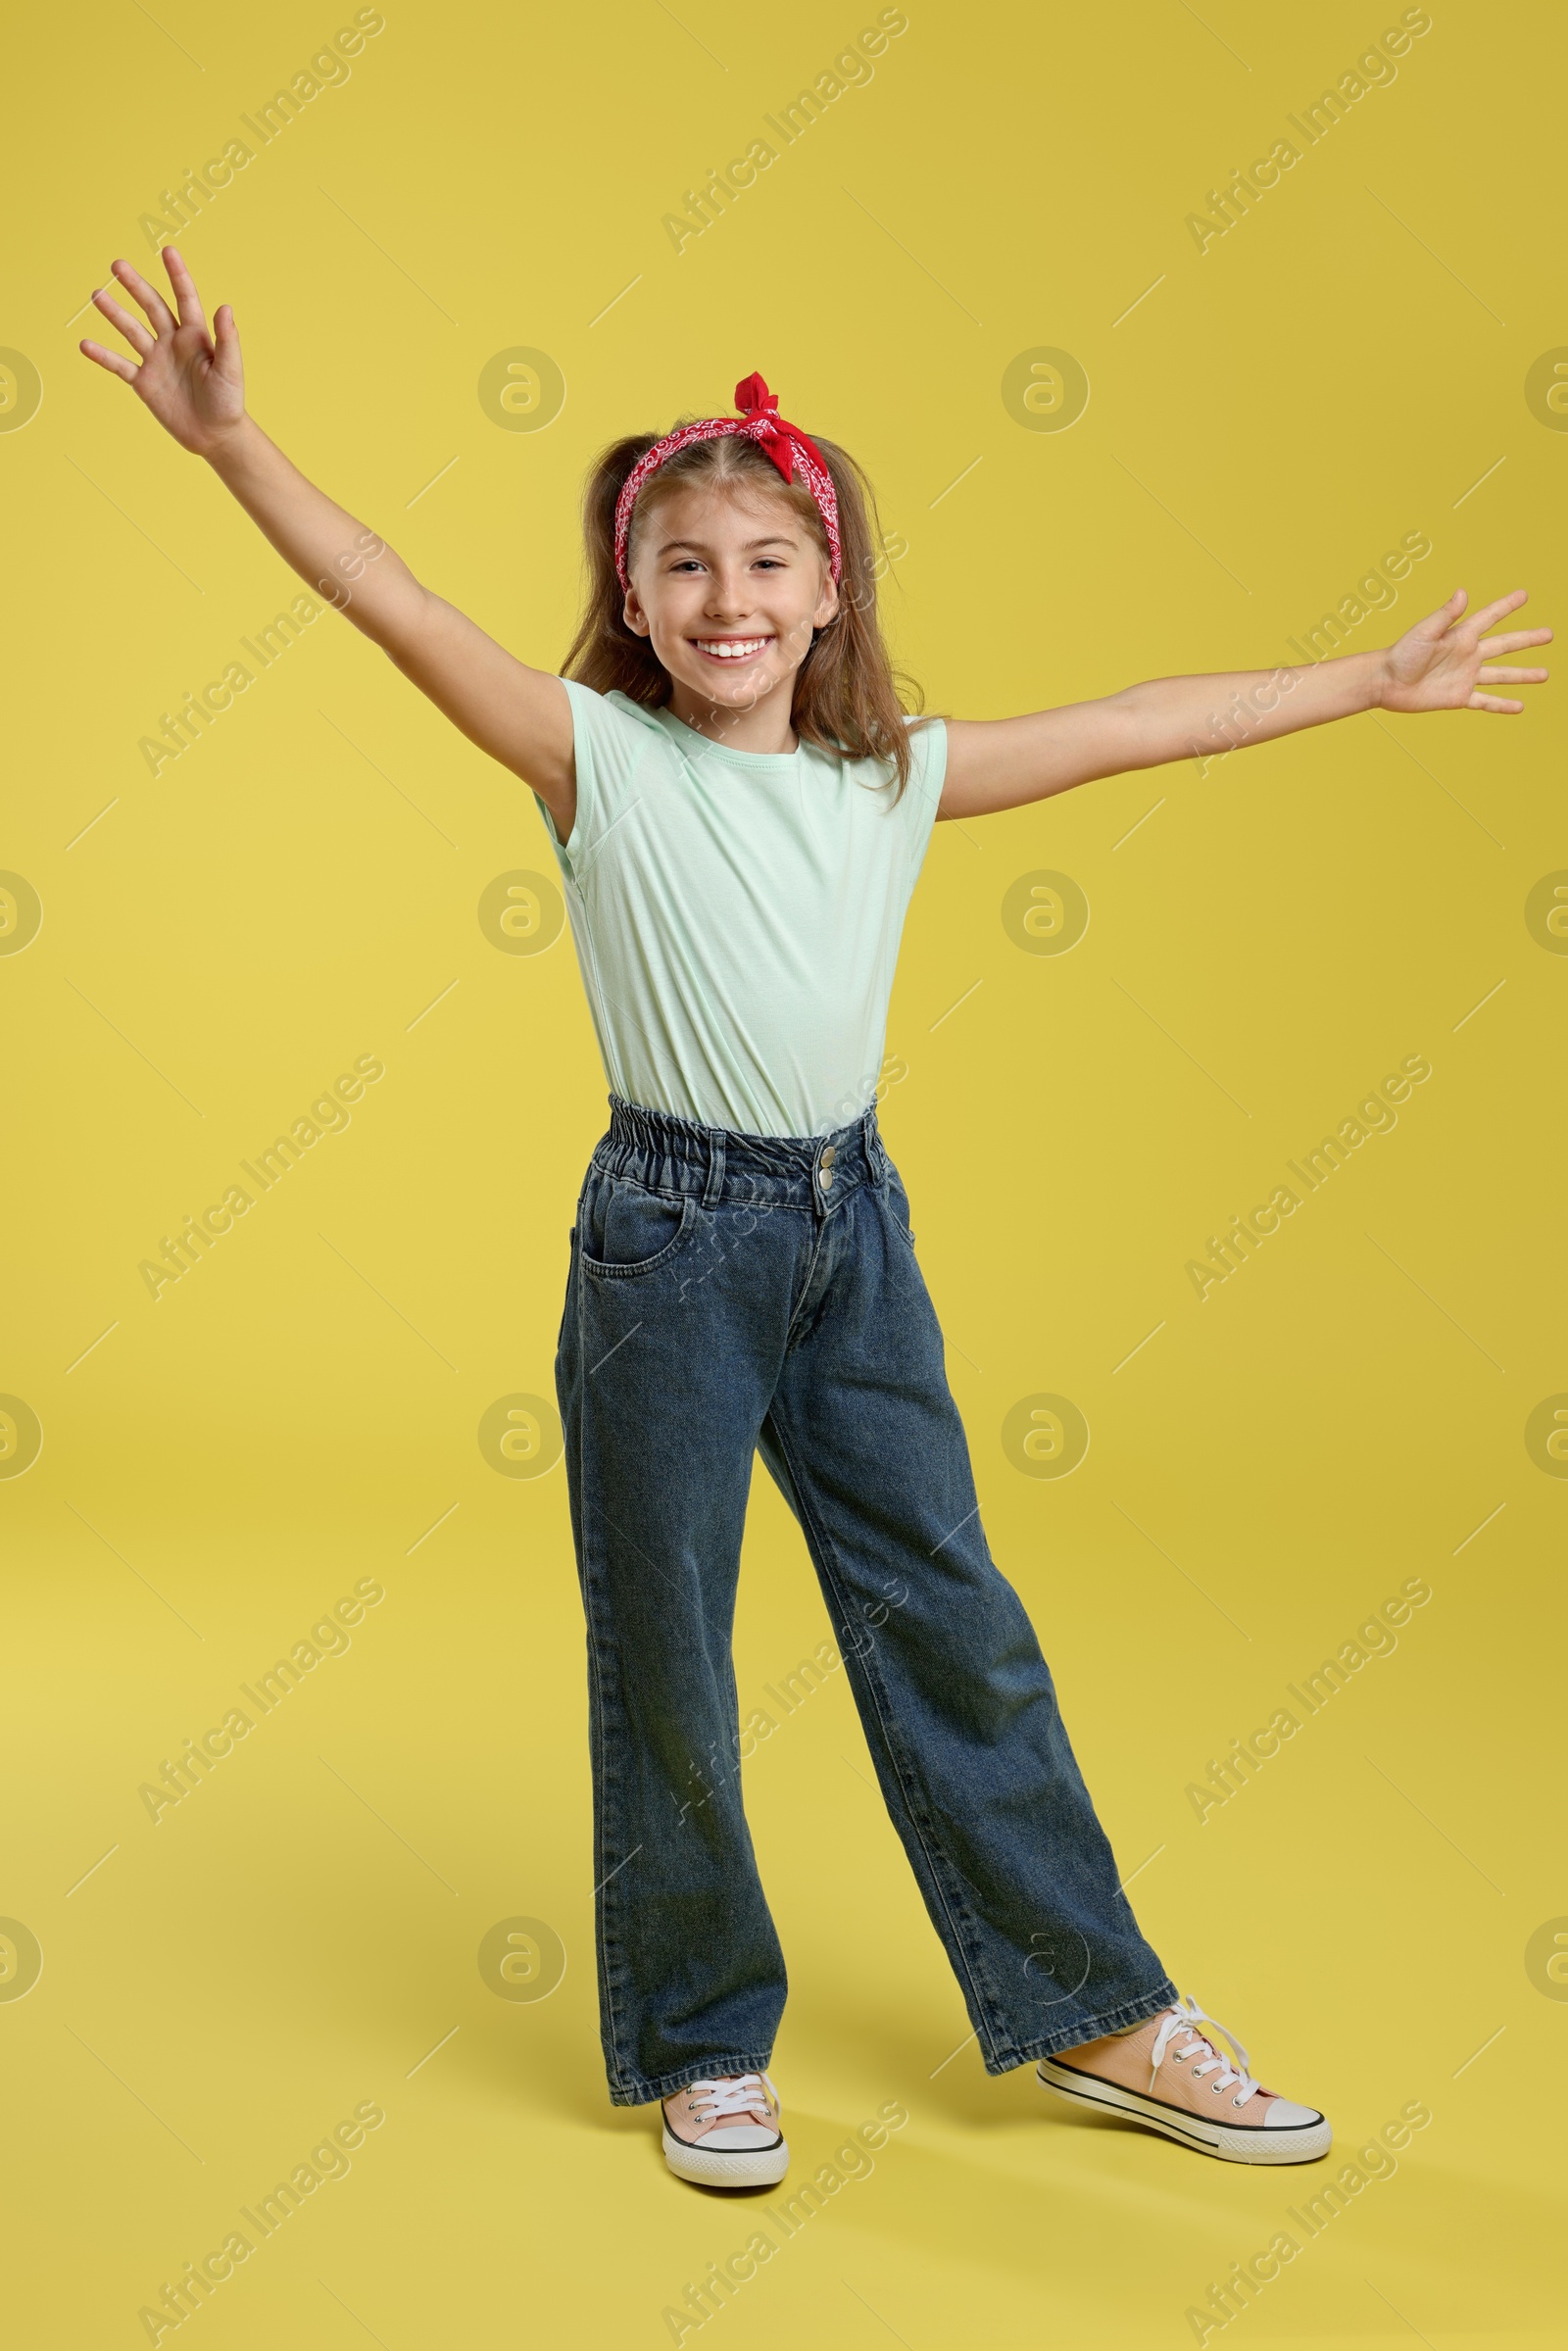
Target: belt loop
[[712, 1189], [874, 1152]]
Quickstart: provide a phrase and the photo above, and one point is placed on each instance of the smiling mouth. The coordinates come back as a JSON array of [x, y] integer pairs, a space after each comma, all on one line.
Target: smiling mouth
[[732, 649]]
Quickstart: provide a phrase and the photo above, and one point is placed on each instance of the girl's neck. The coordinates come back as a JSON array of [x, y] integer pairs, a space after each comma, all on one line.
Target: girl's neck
[[763, 728]]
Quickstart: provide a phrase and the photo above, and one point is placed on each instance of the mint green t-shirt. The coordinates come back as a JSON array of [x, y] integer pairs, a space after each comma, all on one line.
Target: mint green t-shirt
[[737, 915]]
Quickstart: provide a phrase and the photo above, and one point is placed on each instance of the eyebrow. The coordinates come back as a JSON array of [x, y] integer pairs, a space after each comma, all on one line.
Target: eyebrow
[[701, 547]]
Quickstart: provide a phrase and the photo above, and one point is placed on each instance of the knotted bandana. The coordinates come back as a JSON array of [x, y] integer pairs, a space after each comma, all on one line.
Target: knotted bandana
[[791, 449]]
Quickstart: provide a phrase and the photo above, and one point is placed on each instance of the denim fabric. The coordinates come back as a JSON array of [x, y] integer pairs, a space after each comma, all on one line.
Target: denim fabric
[[733, 1294]]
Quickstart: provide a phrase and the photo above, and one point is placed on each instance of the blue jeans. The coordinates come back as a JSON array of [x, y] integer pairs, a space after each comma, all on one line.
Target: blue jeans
[[739, 1293]]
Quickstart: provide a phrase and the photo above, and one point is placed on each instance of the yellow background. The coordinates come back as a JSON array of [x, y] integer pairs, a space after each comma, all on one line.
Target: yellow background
[[294, 1415]]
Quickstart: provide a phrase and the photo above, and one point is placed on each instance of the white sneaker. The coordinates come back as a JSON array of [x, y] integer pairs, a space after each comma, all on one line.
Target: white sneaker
[[1168, 2078], [726, 2132]]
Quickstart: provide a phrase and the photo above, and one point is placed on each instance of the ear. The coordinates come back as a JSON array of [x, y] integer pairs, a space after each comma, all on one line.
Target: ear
[[631, 612], [827, 604]]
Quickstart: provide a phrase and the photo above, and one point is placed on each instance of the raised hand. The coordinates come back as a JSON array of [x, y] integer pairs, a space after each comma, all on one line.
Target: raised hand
[[193, 384], [191, 380], [1445, 660]]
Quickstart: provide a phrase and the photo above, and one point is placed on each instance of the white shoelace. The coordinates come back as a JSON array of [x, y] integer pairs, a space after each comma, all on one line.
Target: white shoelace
[[739, 2096], [1185, 2017]]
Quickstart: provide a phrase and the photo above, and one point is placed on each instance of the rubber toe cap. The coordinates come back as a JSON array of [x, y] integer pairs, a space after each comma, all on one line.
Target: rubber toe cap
[[1285, 2114]]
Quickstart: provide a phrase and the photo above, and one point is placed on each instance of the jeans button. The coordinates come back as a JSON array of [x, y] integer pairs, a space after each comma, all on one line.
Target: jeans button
[[825, 1176], [829, 1154]]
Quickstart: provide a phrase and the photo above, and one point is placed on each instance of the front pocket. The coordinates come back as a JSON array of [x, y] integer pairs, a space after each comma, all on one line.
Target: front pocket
[[628, 1231], [899, 1208]]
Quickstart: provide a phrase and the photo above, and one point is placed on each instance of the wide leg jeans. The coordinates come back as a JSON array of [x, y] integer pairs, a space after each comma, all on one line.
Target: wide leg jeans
[[730, 1295]]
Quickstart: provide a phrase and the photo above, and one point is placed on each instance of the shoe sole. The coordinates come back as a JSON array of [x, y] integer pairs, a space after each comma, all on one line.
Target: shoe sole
[[707, 2167], [1302, 2143]]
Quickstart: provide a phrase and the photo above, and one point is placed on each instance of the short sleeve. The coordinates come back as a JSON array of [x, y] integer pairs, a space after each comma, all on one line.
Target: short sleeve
[[929, 746], [610, 741]]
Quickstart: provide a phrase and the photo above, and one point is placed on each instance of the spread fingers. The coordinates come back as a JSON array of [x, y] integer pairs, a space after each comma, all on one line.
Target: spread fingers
[[150, 299], [115, 360], [135, 334]]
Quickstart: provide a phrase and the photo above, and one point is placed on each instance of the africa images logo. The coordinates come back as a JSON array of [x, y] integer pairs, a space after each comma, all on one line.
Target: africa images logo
[[1376, 1114]]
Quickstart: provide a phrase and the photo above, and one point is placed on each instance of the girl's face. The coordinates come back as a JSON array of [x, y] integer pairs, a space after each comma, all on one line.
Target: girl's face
[[727, 587]]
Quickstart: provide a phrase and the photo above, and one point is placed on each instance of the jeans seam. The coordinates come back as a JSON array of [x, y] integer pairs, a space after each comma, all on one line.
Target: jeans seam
[[983, 1999], [603, 1782]]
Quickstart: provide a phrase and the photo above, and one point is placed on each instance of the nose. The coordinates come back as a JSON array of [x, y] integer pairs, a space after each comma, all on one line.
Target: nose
[[728, 595]]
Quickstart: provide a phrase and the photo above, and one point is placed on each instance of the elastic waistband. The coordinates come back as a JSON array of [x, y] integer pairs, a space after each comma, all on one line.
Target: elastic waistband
[[678, 1155]]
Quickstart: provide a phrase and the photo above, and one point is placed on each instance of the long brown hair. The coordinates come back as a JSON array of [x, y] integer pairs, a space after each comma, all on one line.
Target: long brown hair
[[849, 698]]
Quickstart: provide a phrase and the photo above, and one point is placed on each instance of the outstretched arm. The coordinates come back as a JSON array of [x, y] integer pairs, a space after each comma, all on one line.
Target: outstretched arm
[[1445, 663], [193, 383]]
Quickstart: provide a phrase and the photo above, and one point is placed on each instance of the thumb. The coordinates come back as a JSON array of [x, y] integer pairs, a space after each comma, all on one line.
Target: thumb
[[226, 342], [1438, 624]]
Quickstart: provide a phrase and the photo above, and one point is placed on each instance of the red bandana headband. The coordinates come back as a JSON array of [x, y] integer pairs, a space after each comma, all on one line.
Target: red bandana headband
[[791, 449]]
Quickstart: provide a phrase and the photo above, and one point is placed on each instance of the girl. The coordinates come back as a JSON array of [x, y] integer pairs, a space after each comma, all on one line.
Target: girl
[[739, 806]]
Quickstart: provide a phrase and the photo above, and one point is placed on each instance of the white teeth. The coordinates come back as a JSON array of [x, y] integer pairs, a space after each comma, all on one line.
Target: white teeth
[[732, 649]]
